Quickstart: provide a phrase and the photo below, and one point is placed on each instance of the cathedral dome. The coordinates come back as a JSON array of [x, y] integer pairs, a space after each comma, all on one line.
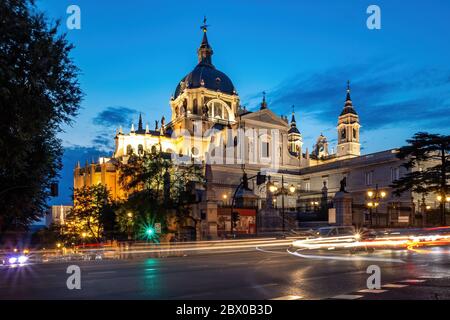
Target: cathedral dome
[[207, 76]]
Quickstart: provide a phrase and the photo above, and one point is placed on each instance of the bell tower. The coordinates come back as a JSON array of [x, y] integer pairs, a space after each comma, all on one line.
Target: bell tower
[[295, 141], [348, 130]]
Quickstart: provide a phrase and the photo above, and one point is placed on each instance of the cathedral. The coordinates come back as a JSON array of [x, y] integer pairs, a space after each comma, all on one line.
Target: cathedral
[[209, 125]]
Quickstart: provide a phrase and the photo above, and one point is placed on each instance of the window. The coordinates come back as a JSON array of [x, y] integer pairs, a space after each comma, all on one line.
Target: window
[[140, 149], [369, 178], [265, 149], [307, 186], [218, 110], [395, 174], [195, 107], [129, 149], [343, 134]]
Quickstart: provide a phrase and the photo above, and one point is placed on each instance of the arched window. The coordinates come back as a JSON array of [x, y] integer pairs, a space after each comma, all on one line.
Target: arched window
[[195, 107], [218, 110], [129, 149], [140, 149], [154, 149]]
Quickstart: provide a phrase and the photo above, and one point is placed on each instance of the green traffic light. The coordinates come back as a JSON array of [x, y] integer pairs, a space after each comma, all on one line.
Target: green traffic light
[[150, 231]]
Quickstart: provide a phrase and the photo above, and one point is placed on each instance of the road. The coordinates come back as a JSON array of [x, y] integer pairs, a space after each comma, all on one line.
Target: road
[[266, 273]]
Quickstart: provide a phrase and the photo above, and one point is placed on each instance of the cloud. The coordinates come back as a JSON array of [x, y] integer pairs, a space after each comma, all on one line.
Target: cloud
[[385, 94], [107, 121], [115, 116], [103, 141]]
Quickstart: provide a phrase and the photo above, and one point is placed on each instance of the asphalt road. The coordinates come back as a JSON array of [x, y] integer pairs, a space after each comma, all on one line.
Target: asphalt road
[[253, 274]]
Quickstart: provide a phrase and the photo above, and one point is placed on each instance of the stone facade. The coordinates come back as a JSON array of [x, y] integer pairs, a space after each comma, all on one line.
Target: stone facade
[[207, 118]]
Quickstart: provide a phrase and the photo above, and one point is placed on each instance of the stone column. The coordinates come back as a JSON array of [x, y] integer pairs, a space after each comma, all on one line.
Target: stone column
[[343, 205]]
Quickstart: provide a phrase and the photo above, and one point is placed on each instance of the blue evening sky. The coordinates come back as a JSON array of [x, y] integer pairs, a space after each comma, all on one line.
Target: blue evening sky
[[133, 53]]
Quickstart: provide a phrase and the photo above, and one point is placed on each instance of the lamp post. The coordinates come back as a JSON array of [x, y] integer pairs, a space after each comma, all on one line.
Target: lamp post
[[130, 221], [283, 191], [374, 198], [443, 202], [83, 236]]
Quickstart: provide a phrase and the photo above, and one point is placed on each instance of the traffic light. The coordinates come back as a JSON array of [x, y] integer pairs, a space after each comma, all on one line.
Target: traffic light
[[54, 189], [260, 178], [150, 232]]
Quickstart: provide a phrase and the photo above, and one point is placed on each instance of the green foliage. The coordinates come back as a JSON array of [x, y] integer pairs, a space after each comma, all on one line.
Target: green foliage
[[157, 189], [39, 92], [90, 207], [427, 157]]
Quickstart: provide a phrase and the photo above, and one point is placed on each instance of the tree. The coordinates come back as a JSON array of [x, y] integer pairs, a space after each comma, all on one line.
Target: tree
[[39, 92], [430, 154], [157, 188], [90, 205]]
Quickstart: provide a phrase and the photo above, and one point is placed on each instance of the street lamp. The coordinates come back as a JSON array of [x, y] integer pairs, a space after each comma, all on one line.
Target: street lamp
[[83, 236], [443, 203], [374, 198], [283, 191], [130, 221]]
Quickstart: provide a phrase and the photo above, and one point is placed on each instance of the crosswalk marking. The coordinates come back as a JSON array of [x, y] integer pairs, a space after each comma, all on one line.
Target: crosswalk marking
[[347, 297], [393, 285], [290, 297], [372, 291]]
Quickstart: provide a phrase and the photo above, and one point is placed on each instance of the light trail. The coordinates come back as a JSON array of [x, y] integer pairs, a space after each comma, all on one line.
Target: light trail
[[343, 258], [409, 242]]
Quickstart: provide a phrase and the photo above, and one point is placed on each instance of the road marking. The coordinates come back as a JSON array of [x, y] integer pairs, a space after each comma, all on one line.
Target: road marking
[[290, 297], [347, 297], [343, 258], [237, 263], [102, 272], [372, 291], [264, 285], [413, 281], [393, 285], [431, 277]]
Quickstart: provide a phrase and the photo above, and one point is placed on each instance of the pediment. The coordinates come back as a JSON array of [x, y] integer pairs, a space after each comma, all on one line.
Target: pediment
[[265, 116]]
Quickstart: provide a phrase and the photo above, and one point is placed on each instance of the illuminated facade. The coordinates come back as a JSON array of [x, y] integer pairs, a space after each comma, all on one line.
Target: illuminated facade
[[206, 106]]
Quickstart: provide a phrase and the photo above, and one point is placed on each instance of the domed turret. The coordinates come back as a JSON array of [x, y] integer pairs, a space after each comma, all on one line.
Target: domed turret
[[205, 73]]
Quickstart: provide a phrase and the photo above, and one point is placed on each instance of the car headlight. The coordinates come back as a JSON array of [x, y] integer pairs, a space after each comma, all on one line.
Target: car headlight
[[12, 260], [22, 259]]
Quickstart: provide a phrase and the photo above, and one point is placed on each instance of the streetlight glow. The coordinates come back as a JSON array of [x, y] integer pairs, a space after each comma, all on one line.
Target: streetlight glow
[[370, 194], [292, 188], [273, 188]]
